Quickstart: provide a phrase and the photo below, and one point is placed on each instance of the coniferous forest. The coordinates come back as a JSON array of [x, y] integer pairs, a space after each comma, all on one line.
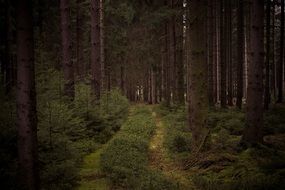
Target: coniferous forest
[[142, 95]]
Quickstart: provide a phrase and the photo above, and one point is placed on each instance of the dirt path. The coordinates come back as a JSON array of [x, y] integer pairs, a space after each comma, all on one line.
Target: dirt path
[[159, 159]]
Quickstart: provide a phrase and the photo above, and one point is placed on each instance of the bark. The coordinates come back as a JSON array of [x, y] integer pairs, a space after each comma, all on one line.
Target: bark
[[223, 64], [197, 72], [79, 40], [153, 86], [267, 62], [67, 64], [254, 108], [95, 49], [273, 64], [281, 57], [240, 53], [229, 53], [210, 36], [180, 61], [26, 99], [102, 50]]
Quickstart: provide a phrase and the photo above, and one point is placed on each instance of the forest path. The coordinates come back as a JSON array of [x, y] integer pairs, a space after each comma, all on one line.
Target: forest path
[[91, 175], [159, 159]]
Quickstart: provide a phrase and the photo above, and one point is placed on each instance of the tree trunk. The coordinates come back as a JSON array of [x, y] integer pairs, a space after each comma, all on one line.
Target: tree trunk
[[79, 40], [26, 99], [267, 62], [281, 57], [67, 65], [197, 72], [102, 50], [223, 64], [210, 37], [240, 53], [229, 53], [95, 49], [254, 108]]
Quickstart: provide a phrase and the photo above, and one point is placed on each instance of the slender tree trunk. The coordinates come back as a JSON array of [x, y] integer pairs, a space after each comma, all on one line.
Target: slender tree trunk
[[197, 72], [210, 36], [254, 109], [229, 53], [67, 65], [273, 66], [281, 57], [223, 64], [215, 51], [95, 49], [26, 99], [102, 49], [240, 53], [180, 61], [267, 62], [79, 40]]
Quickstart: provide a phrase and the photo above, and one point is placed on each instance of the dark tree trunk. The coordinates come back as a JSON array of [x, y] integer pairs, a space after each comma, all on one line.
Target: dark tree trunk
[[197, 73], [254, 108], [95, 48], [26, 99], [79, 40], [267, 62], [229, 53], [210, 36], [67, 64], [240, 53], [180, 61], [223, 64], [273, 64], [281, 57]]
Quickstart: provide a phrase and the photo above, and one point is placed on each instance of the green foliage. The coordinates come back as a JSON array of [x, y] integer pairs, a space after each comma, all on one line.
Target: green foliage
[[67, 131], [274, 120], [126, 156]]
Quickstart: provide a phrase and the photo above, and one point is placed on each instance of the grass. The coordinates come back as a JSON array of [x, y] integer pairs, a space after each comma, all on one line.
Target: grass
[[92, 177]]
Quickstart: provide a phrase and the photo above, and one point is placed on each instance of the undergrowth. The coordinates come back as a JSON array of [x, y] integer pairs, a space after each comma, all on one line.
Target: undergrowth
[[223, 165], [125, 159]]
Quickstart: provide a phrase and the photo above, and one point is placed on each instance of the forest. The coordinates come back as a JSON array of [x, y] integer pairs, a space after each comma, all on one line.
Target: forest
[[142, 95]]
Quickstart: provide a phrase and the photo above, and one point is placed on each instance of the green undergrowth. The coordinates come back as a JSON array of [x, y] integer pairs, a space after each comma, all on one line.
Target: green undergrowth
[[223, 164], [125, 159]]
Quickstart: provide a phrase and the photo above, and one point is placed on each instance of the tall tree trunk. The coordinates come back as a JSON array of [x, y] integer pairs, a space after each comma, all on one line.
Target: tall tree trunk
[[179, 55], [267, 62], [26, 99], [95, 49], [67, 65], [79, 40], [223, 64], [240, 53], [229, 53], [210, 37], [254, 108], [197, 72], [273, 64], [102, 49], [281, 57]]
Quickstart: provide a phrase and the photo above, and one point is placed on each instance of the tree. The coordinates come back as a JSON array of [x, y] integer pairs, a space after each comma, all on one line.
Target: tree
[[26, 99], [254, 108], [281, 57], [95, 48], [223, 55], [67, 64], [240, 52], [197, 72], [267, 62]]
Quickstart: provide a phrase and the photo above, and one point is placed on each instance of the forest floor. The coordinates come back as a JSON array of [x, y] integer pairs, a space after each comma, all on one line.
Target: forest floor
[[91, 175], [92, 178], [160, 160]]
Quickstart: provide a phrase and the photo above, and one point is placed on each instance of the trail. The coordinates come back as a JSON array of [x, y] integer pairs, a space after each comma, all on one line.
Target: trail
[[91, 176], [159, 159]]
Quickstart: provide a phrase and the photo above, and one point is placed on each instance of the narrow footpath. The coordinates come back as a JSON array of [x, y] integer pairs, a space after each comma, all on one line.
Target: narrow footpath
[[160, 161]]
